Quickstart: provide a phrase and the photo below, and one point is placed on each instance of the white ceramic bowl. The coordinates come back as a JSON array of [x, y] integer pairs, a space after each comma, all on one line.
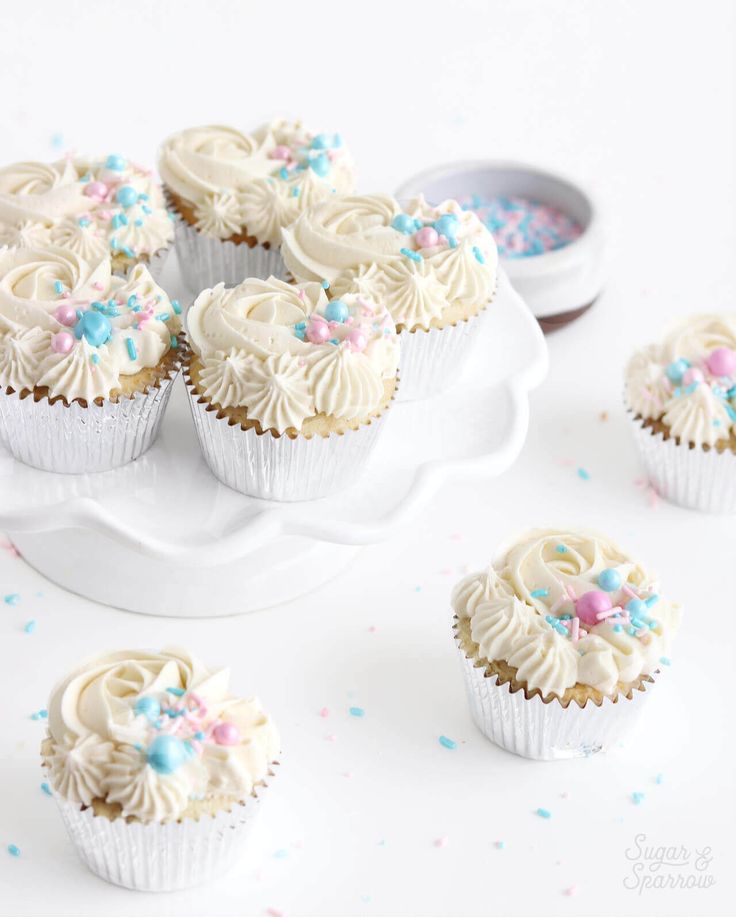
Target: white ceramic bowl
[[558, 285]]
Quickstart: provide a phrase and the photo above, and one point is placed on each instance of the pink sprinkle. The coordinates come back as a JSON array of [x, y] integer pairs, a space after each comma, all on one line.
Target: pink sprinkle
[[441, 842], [571, 592], [97, 285], [572, 890], [372, 629], [324, 712], [10, 548], [575, 635], [602, 615], [274, 912], [348, 774], [331, 738]]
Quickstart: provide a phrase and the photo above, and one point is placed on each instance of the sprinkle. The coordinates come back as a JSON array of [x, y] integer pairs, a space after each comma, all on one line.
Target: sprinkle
[[173, 342], [274, 912], [128, 251], [572, 890], [539, 593], [95, 359], [176, 306], [637, 798], [665, 660], [46, 789], [500, 845], [659, 779], [561, 549], [132, 352], [58, 287], [356, 711], [295, 191], [30, 626], [84, 222], [583, 474], [12, 599], [13, 850], [177, 692], [163, 317], [544, 813], [280, 854], [478, 255], [331, 738], [441, 842], [324, 712], [447, 743], [325, 284], [408, 253]]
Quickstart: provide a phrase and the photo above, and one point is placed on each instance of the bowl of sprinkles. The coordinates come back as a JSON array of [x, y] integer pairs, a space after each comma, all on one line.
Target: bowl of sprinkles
[[546, 228]]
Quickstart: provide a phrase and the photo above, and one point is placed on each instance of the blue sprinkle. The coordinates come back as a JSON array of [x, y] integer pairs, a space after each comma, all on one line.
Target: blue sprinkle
[[280, 854], [659, 779], [179, 692], [138, 222], [46, 788], [637, 798], [334, 341], [356, 711], [478, 255], [408, 253], [651, 600], [114, 244], [13, 850], [116, 163], [176, 306], [199, 736], [617, 628], [582, 473], [147, 210], [447, 743], [500, 845], [12, 599], [295, 192], [43, 714], [84, 222], [132, 352], [539, 593], [173, 342], [30, 627], [283, 172], [325, 284], [128, 251], [58, 287], [665, 660], [163, 317], [544, 813], [402, 222], [561, 549], [132, 300]]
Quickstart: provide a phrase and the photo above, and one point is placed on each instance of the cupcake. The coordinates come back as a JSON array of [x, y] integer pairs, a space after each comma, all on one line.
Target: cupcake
[[433, 267], [234, 192], [87, 359], [288, 389], [561, 641], [157, 769], [681, 399], [95, 208]]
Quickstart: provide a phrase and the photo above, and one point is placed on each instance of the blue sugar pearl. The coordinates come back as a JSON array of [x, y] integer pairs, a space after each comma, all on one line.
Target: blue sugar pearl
[[115, 163], [94, 327], [402, 222], [336, 311], [637, 607], [126, 196], [322, 142], [617, 628], [676, 370], [609, 579], [320, 164], [166, 754], [446, 225], [148, 707]]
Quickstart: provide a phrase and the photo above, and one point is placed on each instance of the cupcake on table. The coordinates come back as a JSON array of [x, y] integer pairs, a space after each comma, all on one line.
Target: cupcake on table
[[234, 192], [157, 769], [561, 639], [433, 266], [87, 359], [95, 208], [681, 398], [289, 389]]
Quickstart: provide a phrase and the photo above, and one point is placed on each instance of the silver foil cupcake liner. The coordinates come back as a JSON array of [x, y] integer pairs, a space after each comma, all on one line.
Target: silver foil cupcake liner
[[73, 439], [278, 467], [687, 475], [159, 857], [431, 361], [205, 261], [546, 731]]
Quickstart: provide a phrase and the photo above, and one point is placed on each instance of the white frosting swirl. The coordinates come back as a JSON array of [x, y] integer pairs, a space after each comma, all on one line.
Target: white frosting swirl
[[672, 381], [121, 325], [254, 344], [105, 744], [524, 611]]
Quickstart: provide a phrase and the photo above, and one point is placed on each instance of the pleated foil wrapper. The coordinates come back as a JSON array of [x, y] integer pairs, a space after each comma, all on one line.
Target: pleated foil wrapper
[[205, 261], [431, 361], [73, 439], [546, 732], [159, 857], [688, 476], [280, 468]]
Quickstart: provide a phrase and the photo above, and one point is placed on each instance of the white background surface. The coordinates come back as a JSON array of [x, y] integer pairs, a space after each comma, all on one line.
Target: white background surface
[[638, 100]]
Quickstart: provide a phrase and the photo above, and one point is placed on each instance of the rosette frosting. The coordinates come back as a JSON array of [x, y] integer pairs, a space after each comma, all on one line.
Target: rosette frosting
[[155, 732], [688, 381], [76, 328], [286, 353], [566, 608], [93, 207], [259, 182]]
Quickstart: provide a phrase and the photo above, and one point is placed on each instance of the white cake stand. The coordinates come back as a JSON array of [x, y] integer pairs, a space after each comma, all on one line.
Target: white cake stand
[[163, 536]]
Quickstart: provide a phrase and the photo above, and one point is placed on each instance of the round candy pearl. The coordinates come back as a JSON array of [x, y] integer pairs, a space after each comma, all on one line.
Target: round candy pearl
[[446, 225], [427, 237], [280, 152], [609, 579], [722, 361], [65, 315], [148, 707], [318, 332], [62, 342], [115, 163], [404, 223], [95, 327], [126, 196], [637, 607], [226, 734], [96, 190], [357, 339], [676, 370], [591, 604], [692, 375], [322, 142], [336, 311], [321, 164], [166, 754]]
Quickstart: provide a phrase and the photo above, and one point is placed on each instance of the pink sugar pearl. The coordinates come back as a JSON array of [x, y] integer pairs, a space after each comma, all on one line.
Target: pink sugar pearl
[[226, 734], [96, 190], [280, 152], [692, 375], [722, 361], [65, 315], [62, 342], [318, 332], [357, 339], [427, 237], [591, 604]]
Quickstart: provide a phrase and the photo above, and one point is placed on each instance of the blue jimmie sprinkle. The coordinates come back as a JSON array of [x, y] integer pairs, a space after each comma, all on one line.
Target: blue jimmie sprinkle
[[46, 788], [178, 692], [163, 317], [176, 306], [539, 593], [280, 854], [12, 599], [544, 813], [173, 342], [132, 352], [408, 253], [561, 549], [58, 287], [84, 222], [295, 192], [637, 798], [128, 251], [447, 743], [29, 627], [283, 172], [651, 600], [356, 711], [659, 779], [95, 358], [132, 301], [617, 628], [13, 850], [583, 474], [478, 255], [665, 660]]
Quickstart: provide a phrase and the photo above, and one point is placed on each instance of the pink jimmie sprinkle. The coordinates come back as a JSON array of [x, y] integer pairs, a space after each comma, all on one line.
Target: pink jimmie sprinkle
[[324, 712], [441, 842], [602, 615]]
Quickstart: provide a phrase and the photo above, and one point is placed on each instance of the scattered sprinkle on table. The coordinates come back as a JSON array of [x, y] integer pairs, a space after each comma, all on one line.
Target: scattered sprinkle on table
[[40, 714], [280, 854], [447, 743], [46, 789], [12, 599], [572, 890], [583, 474], [29, 626], [356, 711], [665, 660], [13, 850], [659, 779], [637, 798], [441, 842], [274, 912], [500, 845], [331, 738], [544, 813], [324, 712], [539, 593]]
